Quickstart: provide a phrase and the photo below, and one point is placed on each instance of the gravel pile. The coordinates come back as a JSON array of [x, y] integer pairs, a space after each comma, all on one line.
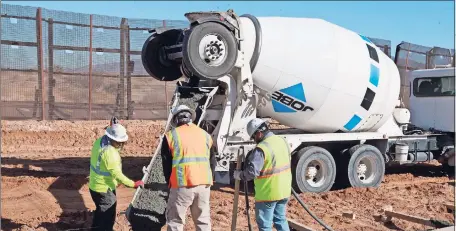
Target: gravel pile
[[147, 211]]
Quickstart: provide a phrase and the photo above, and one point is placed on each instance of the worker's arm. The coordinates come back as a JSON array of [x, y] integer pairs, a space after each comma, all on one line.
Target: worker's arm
[[253, 165], [167, 159], [112, 162]]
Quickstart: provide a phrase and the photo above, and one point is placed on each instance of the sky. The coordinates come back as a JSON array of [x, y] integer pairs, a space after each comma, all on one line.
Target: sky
[[428, 23]]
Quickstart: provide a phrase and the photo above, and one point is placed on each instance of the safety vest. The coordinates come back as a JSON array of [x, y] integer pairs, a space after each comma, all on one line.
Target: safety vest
[[274, 181], [190, 149], [100, 179]]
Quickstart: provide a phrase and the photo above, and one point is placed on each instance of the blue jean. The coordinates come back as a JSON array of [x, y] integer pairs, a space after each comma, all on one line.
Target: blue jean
[[272, 212]]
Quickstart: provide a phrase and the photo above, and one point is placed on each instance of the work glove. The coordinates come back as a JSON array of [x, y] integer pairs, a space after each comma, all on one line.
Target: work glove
[[237, 174], [139, 183]]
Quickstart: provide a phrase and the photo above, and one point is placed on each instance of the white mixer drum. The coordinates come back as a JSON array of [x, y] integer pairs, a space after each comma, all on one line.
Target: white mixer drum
[[309, 74], [319, 77]]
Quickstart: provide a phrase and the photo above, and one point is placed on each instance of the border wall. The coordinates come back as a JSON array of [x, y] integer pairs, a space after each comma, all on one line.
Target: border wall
[[58, 65]]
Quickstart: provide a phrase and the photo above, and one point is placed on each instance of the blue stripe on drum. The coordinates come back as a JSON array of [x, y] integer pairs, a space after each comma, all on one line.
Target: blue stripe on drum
[[353, 122], [365, 38], [374, 79], [374, 75]]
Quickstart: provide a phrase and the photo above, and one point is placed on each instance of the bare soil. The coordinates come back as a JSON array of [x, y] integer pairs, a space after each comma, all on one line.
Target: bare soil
[[44, 168]]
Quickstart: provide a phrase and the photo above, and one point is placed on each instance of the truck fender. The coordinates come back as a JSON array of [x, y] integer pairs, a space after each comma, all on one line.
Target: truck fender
[[216, 20]]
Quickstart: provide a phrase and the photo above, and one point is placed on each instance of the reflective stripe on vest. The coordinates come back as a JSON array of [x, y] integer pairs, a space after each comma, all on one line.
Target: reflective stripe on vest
[[274, 181], [97, 168], [181, 160], [189, 160], [264, 173]]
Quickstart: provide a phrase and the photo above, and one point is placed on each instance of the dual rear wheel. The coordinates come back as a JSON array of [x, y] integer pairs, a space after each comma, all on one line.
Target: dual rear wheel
[[315, 168]]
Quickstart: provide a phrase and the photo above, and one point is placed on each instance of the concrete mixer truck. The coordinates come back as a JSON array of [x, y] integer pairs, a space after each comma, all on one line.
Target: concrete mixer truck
[[336, 92]]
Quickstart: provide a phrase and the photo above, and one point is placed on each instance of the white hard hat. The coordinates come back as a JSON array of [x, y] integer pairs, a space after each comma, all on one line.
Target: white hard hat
[[253, 126], [181, 108], [117, 132]]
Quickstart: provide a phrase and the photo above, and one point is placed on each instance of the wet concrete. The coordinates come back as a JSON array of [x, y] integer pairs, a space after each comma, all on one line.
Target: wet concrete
[[194, 101], [148, 209]]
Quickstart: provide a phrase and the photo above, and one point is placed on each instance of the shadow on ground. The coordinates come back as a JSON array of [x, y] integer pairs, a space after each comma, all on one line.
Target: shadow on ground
[[71, 175], [7, 224], [417, 170], [420, 170]]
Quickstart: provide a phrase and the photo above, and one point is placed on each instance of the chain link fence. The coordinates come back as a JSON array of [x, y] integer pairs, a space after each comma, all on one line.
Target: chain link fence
[[410, 57], [59, 65]]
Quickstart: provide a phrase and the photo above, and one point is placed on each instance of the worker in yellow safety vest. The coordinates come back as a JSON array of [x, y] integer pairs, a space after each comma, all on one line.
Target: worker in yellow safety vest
[[269, 166], [106, 174], [186, 154]]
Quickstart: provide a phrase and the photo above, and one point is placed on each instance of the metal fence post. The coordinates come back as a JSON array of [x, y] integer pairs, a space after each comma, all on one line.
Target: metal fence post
[[39, 40], [166, 89], [406, 58], [405, 79], [90, 66], [51, 84], [129, 70], [428, 59], [1, 74], [452, 58], [122, 68]]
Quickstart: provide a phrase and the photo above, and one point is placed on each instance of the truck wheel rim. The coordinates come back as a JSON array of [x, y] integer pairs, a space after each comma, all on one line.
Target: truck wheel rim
[[366, 169], [315, 173], [212, 49]]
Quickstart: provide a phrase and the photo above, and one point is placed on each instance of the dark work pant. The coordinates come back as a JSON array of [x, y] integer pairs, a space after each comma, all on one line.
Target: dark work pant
[[105, 213]]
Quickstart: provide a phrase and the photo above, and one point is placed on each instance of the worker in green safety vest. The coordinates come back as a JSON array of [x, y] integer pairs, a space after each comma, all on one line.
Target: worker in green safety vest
[[106, 174], [269, 166]]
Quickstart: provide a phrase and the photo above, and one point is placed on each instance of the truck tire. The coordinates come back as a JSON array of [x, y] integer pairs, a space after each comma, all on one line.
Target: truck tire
[[151, 59], [315, 170], [209, 50], [366, 166]]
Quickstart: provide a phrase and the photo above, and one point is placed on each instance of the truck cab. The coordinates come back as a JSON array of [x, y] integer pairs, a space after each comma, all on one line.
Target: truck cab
[[432, 99]]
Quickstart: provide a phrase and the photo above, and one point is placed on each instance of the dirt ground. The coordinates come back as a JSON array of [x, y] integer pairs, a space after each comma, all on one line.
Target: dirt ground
[[44, 169]]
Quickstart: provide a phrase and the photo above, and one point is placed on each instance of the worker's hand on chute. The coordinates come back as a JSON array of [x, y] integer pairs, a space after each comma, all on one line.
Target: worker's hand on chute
[[139, 183], [237, 174]]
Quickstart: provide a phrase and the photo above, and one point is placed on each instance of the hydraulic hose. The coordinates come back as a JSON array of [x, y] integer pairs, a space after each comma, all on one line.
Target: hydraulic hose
[[309, 212]]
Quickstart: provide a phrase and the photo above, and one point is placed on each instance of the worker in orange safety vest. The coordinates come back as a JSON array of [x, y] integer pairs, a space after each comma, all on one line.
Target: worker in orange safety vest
[[188, 167]]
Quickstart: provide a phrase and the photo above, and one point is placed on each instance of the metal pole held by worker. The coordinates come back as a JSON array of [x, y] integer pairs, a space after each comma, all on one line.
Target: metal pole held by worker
[[236, 189]]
